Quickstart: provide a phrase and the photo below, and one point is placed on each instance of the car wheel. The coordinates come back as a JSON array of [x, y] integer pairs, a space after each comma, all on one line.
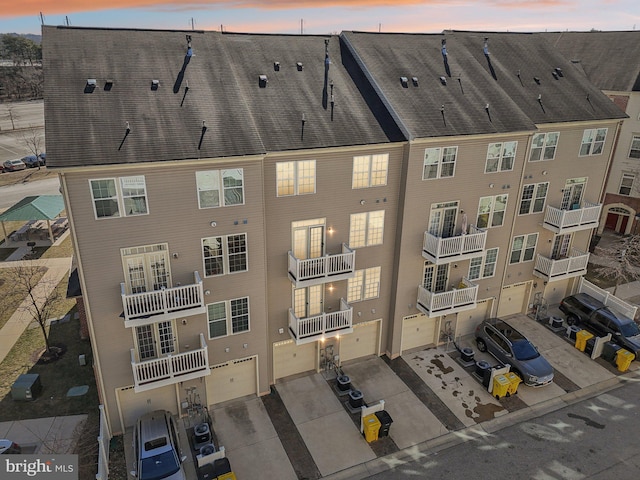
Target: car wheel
[[482, 346], [572, 320]]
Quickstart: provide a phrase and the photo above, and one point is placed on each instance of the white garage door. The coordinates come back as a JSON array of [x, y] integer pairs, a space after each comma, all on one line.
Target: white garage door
[[512, 299], [417, 331], [362, 342], [133, 405], [468, 320], [233, 379], [289, 358]]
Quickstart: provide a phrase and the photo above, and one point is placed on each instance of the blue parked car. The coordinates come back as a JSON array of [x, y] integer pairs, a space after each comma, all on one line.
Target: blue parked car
[[31, 161]]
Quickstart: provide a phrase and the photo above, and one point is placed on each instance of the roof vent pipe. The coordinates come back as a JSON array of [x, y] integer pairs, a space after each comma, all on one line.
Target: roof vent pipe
[[485, 49], [444, 47]]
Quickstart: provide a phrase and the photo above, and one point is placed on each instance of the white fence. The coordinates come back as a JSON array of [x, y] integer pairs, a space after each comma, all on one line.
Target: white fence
[[607, 298], [103, 447]]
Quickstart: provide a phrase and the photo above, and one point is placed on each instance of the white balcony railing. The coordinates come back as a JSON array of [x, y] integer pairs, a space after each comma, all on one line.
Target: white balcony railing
[[159, 372], [164, 304], [443, 303], [441, 250], [314, 271], [325, 325], [584, 216], [558, 269]]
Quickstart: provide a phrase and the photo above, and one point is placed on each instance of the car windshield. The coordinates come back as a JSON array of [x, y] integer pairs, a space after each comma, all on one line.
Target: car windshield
[[159, 466], [629, 329], [523, 350]]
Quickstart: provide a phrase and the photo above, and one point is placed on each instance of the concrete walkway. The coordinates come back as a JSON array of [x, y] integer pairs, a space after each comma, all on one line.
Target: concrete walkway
[[45, 435], [57, 269]]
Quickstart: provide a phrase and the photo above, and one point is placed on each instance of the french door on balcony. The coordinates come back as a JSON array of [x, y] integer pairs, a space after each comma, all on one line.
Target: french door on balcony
[[155, 340], [572, 193], [308, 301], [146, 268], [561, 245], [442, 221], [435, 277], [308, 239]]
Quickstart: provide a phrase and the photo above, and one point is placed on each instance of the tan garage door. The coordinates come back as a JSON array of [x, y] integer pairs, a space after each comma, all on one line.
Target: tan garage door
[[133, 405], [512, 299], [468, 320], [417, 331], [555, 291], [363, 341], [233, 379], [289, 358]]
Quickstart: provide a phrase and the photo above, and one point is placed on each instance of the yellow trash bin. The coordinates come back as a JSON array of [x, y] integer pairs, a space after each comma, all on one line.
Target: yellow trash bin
[[371, 426], [514, 381], [581, 339], [500, 386], [624, 359], [227, 476]]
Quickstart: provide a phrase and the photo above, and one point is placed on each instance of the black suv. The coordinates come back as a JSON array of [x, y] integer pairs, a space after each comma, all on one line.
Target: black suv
[[599, 319]]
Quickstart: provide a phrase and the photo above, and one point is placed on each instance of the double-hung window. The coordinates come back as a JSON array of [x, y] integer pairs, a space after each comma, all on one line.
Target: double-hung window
[[296, 178], [366, 229], [483, 266], [626, 183], [228, 316], [523, 248], [119, 197], [364, 285], [439, 162], [500, 157], [370, 170], [491, 211], [225, 254], [593, 141], [533, 198], [634, 151], [220, 188], [543, 146]]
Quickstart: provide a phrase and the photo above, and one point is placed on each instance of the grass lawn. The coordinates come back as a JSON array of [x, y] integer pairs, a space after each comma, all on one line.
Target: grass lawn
[[24, 176], [9, 298], [599, 280]]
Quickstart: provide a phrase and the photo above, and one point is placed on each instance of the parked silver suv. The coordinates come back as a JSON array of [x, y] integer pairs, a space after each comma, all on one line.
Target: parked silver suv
[[156, 447]]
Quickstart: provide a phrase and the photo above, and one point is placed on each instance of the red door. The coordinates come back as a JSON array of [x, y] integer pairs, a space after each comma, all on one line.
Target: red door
[[623, 224], [612, 221]]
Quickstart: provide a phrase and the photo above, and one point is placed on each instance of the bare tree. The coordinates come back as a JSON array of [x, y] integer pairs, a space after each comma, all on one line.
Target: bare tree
[[12, 116], [33, 139], [621, 260], [41, 296]]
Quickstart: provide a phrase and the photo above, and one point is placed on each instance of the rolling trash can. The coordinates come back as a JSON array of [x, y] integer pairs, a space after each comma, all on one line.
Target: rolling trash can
[[385, 422], [624, 359], [371, 427]]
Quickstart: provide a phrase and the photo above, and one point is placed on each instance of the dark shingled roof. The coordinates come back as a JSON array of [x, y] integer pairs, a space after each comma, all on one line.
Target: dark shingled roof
[[611, 60], [218, 85], [474, 80]]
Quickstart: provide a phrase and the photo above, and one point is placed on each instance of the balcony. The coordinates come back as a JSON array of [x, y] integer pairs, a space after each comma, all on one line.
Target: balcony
[[443, 303], [551, 269], [161, 305], [440, 250], [325, 325], [159, 372], [584, 216], [315, 271]]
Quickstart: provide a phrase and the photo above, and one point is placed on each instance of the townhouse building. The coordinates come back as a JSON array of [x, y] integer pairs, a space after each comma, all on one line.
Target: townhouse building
[[249, 207]]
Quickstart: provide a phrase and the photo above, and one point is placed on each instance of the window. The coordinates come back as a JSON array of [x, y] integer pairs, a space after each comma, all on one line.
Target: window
[[116, 197], [543, 146], [533, 198], [439, 162], [220, 188], [483, 266], [228, 316], [626, 184], [491, 211], [593, 141], [634, 151], [500, 157], [523, 248], [365, 285], [224, 254], [370, 170], [366, 229], [296, 178]]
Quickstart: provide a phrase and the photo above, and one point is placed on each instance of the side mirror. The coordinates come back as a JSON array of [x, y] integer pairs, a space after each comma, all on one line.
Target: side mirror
[[133, 473]]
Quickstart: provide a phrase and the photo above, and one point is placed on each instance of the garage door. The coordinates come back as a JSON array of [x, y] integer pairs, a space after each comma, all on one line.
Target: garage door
[[233, 379], [289, 358], [469, 319], [555, 291], [417, 331], [362, 342], [133, 405], [512, 299]]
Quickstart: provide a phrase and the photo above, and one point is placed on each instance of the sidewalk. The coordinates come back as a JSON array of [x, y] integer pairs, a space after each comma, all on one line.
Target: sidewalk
[[44, 435]]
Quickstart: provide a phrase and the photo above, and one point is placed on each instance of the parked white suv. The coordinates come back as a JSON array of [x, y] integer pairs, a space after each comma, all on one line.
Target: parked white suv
[[156, 448]]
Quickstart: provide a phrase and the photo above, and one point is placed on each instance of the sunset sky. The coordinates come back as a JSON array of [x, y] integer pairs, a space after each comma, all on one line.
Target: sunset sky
[[325, 16]]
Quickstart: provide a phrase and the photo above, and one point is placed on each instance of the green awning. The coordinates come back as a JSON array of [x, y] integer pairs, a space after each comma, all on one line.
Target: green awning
[[41, 207]]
